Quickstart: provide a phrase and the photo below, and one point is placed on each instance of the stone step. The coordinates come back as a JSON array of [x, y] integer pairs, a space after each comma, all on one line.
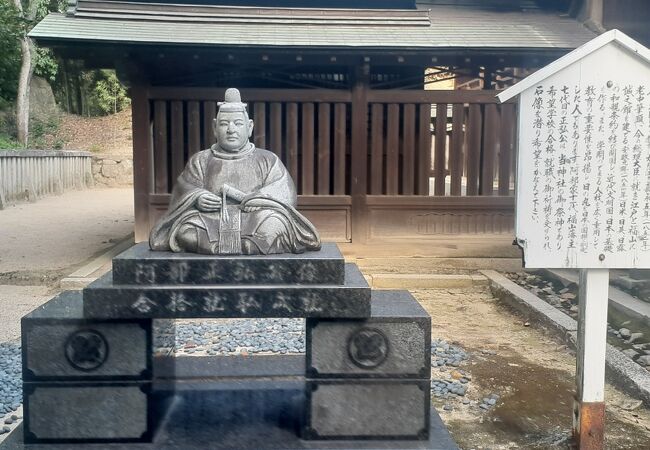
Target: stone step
[[105, 299], [142, 266]]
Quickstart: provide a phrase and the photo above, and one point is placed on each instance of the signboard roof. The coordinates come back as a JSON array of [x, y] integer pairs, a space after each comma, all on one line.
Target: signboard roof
[[616, 36]]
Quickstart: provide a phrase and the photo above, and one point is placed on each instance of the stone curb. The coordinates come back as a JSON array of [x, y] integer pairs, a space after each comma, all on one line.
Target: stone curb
[[429, 264], [621, 370], [619, 300], [424, 281], [86, 274]]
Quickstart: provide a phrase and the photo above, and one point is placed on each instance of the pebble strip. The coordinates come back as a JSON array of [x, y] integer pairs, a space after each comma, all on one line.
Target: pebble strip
[[11, 384], [449, 382], [241, 336]]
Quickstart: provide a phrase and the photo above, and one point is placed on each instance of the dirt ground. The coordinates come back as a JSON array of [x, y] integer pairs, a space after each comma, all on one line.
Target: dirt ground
[[108, 135], [532, 372]]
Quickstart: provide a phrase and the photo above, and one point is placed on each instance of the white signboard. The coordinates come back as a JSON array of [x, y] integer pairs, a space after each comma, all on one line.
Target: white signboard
[[583, 173]]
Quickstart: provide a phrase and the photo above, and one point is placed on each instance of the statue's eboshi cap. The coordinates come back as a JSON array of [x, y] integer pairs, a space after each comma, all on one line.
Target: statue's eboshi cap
[[232, 102]]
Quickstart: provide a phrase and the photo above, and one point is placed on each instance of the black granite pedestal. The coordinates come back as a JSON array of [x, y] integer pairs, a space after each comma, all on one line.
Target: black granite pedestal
[[100, 371]]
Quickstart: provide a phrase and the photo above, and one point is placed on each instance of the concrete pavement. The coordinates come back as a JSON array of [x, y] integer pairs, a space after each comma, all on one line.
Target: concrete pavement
[[44, 241]]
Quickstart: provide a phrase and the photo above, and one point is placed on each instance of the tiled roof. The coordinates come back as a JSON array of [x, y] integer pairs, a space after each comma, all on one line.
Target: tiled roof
[[438, 27]]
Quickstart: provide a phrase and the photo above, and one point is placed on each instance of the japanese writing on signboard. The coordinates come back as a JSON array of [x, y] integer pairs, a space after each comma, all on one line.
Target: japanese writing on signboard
[[583, 187]]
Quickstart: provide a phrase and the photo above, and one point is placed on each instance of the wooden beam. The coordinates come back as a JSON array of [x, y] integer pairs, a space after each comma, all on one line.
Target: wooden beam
[[142, 160], [359, 156]]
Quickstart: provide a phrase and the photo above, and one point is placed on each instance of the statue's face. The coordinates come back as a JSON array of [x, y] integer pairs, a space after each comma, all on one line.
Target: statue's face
[[232, 130]]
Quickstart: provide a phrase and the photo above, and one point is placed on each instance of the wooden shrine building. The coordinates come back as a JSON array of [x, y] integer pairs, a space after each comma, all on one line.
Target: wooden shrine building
[[338, 90]]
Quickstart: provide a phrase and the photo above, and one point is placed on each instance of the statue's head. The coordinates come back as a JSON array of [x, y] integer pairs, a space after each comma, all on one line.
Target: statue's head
[[232, 127]]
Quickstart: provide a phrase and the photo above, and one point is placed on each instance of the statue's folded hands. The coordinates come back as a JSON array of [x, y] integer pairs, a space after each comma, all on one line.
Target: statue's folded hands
[[208, 202]]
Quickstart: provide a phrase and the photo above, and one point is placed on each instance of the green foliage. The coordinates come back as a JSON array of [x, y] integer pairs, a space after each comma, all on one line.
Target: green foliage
[[13, 26], [40, 131], [110, 94], [11, 30], [8, 143], [45, 64]]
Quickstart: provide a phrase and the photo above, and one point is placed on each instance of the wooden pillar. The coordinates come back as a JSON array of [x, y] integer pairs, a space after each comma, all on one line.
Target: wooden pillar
[[359, 154], [589, 404], [142, 160]]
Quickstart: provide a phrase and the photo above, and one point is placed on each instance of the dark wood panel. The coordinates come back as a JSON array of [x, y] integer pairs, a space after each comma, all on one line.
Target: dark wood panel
[[408, 150], [324, 149], [415, 96], [359, 154], [446, 202], [193, 128], [392, 149], [141, 125], [475, 128], [506, 148], [489, 151], [251, 95], [424, 149], [209, 114], [307, 148], [340, 138], [292, 140], [303, 200], [440, 149], [177, 139], [456, 148], [376, 148], [276, 129], [160, 158], [259, 118]]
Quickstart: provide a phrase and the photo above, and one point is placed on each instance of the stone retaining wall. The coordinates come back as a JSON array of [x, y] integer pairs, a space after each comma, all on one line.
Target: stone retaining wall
[[112, 170]]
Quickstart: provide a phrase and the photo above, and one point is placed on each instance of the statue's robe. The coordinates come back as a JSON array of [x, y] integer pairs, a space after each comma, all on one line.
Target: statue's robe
[[260, 213]]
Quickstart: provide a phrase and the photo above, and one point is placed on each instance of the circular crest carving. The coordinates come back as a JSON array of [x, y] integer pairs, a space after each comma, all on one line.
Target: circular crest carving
[[86, 350], [368, 347]]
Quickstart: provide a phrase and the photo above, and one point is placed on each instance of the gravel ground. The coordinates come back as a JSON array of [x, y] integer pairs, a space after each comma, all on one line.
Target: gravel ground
[[11, 395], [225, 337]]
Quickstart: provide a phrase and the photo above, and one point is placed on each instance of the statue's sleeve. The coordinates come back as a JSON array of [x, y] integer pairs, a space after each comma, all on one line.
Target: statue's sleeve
[[189, 185], [279, 185]]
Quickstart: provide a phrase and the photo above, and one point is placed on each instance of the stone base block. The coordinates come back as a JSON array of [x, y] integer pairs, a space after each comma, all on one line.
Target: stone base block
[[105, 299], [393, 343], [58, 343], [142, 266], [250, 403], [367, 409], [88, 412]]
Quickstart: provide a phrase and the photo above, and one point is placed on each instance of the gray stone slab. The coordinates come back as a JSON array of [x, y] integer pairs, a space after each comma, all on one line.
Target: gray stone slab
[[368, 409], [58, 343], [142, 266], [394, 342], [247, 410], [104, 299], [87, 412]]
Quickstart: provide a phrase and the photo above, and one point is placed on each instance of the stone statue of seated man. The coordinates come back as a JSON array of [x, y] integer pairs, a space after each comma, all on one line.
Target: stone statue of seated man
[[234, 198]]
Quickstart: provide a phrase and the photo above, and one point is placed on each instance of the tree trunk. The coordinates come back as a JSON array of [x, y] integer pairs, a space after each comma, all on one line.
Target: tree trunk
[[22, 101], [26, 71]]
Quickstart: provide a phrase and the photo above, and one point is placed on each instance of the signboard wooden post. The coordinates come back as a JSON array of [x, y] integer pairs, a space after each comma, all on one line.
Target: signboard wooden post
[[583, 188]]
